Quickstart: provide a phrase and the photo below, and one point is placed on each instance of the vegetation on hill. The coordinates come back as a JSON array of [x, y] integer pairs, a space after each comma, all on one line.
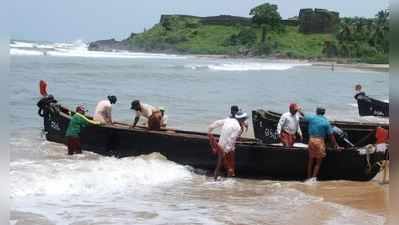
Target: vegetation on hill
[[362, 39], [356, 39]]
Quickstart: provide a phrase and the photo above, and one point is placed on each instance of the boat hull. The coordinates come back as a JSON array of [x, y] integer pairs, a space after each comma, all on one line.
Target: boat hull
[[372, 107], [360, 134], [253, 160]]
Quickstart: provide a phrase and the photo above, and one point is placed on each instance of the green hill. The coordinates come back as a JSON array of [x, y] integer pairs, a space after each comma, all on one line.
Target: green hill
[[316, 34]]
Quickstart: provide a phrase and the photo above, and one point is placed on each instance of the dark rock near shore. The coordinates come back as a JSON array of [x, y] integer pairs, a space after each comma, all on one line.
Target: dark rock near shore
[[111, 44]]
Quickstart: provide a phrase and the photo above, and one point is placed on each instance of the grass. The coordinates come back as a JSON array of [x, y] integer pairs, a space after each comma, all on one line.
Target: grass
[[298, 45]]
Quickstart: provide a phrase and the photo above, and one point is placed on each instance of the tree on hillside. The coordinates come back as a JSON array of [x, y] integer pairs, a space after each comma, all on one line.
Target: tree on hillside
[[362, 38], [266, 16], [382, 17]]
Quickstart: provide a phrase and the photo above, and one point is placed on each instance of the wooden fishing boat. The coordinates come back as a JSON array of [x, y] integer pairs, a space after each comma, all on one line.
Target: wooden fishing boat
[[372, 107], [358, 133], [253, 159]]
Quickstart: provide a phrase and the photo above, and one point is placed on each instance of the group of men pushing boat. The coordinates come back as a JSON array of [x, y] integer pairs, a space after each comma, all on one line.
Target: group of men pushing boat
[[155, 116], [288, 129], [232, 127]]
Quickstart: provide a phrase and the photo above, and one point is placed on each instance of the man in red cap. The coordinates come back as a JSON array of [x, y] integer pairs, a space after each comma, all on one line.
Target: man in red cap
[[288, 126], [77, 122]]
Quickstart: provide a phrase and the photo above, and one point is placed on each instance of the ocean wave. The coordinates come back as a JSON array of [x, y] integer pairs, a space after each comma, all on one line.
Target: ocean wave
[[78, 49], [99, 54], [247, 66], [15, 51], [78, 175], [20, 44]]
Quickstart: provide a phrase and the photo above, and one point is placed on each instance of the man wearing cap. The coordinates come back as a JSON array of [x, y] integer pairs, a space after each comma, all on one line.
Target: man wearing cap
[[77, 122], [234, 109], [231, 129], [102, 113], [319, 129], [150, 112], [288, 126]]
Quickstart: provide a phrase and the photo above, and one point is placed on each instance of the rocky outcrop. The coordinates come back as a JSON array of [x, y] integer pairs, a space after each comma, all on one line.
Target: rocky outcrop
[[318, 21], [111, 44], [108, 45]]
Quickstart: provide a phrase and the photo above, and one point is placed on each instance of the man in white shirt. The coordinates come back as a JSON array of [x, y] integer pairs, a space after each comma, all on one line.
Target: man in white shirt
[[234, 109], [231, 129], [102, 113], [150, 112], [288, 126]]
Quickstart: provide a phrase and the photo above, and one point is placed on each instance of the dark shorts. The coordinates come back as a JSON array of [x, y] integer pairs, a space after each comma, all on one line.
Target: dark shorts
[[154, 122], [74, 145]]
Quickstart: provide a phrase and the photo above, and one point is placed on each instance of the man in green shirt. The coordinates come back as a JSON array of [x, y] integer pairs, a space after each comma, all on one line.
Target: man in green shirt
[[77, 122]]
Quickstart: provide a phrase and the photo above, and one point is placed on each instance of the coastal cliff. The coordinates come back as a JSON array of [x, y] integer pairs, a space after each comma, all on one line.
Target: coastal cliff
[[315, 34]]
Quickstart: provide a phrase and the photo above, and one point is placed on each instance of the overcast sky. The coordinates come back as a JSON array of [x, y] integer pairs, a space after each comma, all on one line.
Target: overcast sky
[[88, 20]]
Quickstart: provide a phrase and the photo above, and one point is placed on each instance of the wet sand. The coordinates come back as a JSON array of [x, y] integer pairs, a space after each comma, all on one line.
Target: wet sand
[[371, 197]]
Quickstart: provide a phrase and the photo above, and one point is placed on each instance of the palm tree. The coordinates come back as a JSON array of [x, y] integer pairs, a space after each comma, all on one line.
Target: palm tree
[[345, 32]]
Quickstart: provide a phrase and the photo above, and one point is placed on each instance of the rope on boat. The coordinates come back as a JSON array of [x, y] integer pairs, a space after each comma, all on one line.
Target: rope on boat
[[368, 159], [369, 149]]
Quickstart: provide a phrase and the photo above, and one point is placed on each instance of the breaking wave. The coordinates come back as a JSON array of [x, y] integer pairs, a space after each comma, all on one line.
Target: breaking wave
[[106, 175], [248, 66], [15, 51], [77, 49]]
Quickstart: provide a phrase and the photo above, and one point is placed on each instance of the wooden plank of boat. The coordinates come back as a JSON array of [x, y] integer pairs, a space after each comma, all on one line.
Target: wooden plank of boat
[[253, 159], [359, 133]]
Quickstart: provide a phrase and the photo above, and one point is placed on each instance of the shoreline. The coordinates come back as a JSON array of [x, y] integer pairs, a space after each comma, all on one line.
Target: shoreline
[[323, 62], [361, 66], [315, 63]]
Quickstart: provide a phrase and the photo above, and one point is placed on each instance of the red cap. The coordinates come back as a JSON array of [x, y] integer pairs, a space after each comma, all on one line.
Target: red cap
[[80, 109], [293, 106]]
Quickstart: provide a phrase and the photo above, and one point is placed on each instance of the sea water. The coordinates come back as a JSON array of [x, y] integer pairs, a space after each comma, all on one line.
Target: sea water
[[49, 187]]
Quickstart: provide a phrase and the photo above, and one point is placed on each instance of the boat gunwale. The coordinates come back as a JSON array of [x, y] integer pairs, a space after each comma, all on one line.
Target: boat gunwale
[[244, 143], [337, 122]]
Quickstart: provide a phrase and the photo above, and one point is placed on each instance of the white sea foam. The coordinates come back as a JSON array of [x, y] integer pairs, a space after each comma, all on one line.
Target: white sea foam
[[79, 49], [345, 215], [248, 66], [20, 44], [99, 54], [15, 51], [92, 177], [351, 216]]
